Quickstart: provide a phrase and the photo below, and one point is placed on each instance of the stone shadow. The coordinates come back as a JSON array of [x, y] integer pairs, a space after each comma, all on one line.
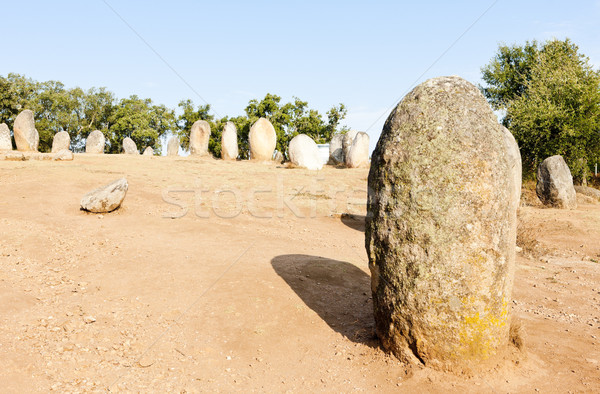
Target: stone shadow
[[339, 292], [356, 222]]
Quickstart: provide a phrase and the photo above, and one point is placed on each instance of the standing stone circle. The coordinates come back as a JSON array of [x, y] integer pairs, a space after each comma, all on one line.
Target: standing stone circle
[[347, 142], [26, 136], [95, 142], [555, 184], [439, 230], [173, 146], [129, 147], [304, 152], [262, 139], [336, 153], [358, 155], [199, 137], [148, 151], [229, 142], [61, 141], [5, 140]]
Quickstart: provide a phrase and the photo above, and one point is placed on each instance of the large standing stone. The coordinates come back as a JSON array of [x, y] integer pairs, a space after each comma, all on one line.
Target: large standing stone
[[148, 151], [61, 141], [555, 184], [358, 155], [440, 224], [263, 140], [129, 147], [26, 136], [5, 141], [173, 146], [336, 153], [95, 142], [347, 142], [514, 156], [304, 152], [199, 137], [229, 142], [106, 198]]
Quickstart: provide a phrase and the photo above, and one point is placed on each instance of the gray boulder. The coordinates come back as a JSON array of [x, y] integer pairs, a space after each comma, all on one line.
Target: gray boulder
[[173, 146], [304, 152], [26, 135], [229, 142], [129, 147], [262, 139], [61, 141], [95, 142], [441, 219], [555, 184], [199, 137], [106, 198], [358, 155], [336, 152]]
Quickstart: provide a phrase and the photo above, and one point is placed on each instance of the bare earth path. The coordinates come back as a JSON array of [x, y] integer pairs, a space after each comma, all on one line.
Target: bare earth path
[[260, 286]]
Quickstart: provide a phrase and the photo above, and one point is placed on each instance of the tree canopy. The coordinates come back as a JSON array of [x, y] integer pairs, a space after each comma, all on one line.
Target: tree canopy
[[550, 97], [79, 112]]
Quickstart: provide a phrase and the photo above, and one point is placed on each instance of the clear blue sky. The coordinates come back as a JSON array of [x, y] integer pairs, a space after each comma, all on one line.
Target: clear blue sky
[[366, 55]]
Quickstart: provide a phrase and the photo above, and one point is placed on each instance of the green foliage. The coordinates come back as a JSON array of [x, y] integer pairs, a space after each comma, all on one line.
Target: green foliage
[[79, 112], [553, 107], [141, 121]]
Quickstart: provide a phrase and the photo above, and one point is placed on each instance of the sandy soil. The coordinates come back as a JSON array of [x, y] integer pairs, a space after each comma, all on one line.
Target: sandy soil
[[261, 286]]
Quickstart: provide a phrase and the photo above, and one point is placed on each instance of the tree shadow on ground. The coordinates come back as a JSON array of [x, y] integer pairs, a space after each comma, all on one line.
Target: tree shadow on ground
[[339, 292], [356, 222]]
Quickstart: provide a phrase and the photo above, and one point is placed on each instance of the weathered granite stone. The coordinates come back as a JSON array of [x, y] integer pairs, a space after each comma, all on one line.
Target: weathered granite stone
[[440, 227], [95, 142], [229, 142], [61, 141], [5, 140], [262, 139], [106, 198], [199, 138], [555, 184], [129, 147], [336, 152], [26, 136], [304, 152], [173, 146], [358, 155]]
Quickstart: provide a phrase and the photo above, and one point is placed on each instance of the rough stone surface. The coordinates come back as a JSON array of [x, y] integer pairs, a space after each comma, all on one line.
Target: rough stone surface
[[173, 146], [514, 156], [26, 136], [347, 142], [588, 191], [262, 139], [555, 184], [199, 137], [129, 147], [440, 228], [63, 155], [5, 140], [148, 151], [61, 141], [358, 155], [95, 142], [229, 142], [336, 152], [304, 152], [106, 198]]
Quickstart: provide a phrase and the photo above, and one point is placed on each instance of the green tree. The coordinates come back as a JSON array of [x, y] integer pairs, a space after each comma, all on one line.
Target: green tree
[[555, 109], [141, 121]]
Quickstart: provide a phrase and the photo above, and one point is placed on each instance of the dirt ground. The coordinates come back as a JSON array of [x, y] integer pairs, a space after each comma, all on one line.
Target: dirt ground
[[238, 276]]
